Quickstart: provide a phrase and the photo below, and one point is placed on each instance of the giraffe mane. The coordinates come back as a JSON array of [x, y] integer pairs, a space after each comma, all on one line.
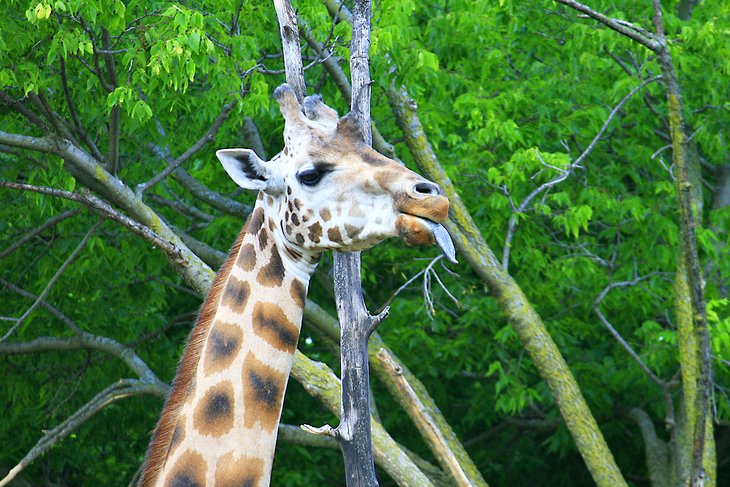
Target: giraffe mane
[[160, 445]]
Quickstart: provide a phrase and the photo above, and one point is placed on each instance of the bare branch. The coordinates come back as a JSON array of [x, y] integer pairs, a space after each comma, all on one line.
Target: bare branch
[[336, 72], [629, 30], [18, 106], [172, 165], [183, 209], [526, 322], [52, 309], [596, 308], [119, 390], [235, 28], [103, 209], [421, 417], [21, 156], [210, 255], [114, 129], [74, 114], [290, 42], [300, 436], [87, 169], [403, 286], [57, 123], [113, 162], [320, 59], [339, 76], [252, 137], [612, 115], [71, 258], [37, 231], [564, 173], [88, 341], [197, 189]]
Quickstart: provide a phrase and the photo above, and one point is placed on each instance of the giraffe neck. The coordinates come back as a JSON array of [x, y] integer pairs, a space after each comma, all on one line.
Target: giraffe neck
[[220, 423]]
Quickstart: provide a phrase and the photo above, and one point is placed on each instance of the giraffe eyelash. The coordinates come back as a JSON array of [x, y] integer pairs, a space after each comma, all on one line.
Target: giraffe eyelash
[[310, 176]]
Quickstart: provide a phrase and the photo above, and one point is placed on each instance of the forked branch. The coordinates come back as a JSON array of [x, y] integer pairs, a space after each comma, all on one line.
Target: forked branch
[[119, 390], [563, 173], [71, 258]]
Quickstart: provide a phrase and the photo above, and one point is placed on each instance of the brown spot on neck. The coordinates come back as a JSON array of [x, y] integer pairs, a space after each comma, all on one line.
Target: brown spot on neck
[[298, 292], [256, 221], [224, 343], [247, 258], [352, 231], [272, 274], [263, 238], [235, 294], [263, 393], [271, 324], [214, 413], [189, 471], [334, 235], [234, 471]]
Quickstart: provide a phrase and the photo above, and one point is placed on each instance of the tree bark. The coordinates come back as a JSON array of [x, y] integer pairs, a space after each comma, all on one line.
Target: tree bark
[[525, 320], [353, 433], [355, 320], [692, 326]]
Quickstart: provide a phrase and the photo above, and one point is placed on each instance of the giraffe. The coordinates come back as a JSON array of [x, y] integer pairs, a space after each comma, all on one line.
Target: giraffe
[[326, 190]]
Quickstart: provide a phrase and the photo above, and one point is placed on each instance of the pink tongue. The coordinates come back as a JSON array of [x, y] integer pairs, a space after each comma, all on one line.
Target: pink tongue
[[443, 240]]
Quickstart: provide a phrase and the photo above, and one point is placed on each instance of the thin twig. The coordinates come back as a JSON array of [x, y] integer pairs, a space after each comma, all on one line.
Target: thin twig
[[564, 173], [52, 309], [182, 208], [629, 30], [89, 341], [103, 209], [29, 236], [74, 114], [596, 308], [172, 165], [317, 61], [53, 280], [119, 390], [18, 106]]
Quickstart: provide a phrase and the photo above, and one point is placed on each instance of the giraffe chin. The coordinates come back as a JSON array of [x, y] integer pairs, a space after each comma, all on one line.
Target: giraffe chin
[[414, 230]]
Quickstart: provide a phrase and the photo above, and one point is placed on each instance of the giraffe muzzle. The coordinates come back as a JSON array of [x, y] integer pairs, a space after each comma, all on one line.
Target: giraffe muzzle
[[415, 230]]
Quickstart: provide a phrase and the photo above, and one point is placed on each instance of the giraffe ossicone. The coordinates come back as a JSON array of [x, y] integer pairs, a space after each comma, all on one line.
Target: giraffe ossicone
[[326, 190]]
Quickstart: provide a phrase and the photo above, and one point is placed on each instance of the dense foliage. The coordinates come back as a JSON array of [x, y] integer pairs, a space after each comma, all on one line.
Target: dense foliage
[[510, 94]]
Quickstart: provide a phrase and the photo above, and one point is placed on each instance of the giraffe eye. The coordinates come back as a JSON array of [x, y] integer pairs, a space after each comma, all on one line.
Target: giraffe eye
[[310, 176]]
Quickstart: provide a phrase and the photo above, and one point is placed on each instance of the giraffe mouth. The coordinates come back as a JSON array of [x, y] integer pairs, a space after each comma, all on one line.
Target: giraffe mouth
[[416, 230]]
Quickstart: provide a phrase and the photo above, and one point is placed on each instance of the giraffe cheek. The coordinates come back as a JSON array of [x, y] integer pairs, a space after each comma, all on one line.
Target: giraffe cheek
[[413, 230]]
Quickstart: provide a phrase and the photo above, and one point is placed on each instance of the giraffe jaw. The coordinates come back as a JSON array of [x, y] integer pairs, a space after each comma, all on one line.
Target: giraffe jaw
[[422, 231]]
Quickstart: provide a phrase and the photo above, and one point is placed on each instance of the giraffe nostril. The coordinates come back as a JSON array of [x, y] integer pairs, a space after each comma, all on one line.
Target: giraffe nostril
[[429, 188]]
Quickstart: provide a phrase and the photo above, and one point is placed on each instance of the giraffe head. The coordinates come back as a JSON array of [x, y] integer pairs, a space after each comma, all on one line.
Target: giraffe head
[[331, 191]]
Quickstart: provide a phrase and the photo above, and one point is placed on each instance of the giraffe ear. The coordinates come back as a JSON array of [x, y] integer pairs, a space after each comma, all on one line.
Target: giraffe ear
[[245, 168]]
